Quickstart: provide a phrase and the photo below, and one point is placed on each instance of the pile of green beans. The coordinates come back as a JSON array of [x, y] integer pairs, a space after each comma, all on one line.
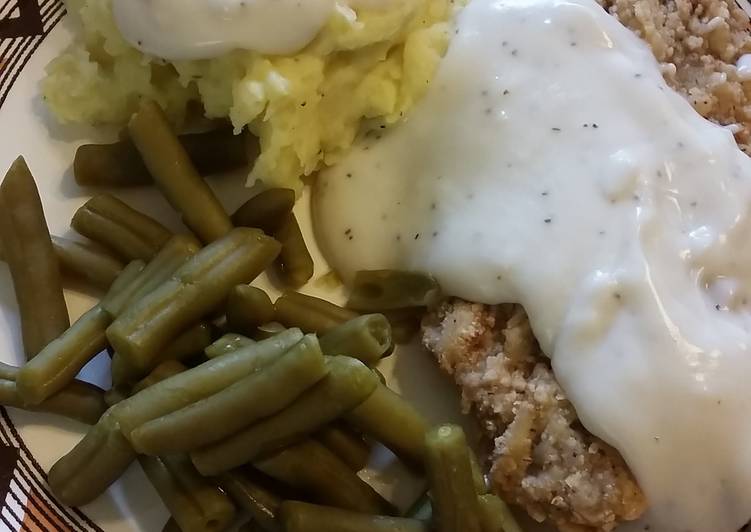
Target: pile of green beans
[[228, 401]]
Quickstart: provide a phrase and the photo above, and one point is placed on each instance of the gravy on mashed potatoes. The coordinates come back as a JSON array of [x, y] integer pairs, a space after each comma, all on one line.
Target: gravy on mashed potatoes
[[550, 165], [365, 63]]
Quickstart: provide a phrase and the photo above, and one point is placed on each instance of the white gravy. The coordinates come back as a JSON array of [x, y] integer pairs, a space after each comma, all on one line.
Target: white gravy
[[550, 165], [203, 29]]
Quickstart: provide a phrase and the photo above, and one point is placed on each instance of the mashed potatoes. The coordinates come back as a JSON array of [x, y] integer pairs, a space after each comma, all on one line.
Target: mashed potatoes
[[366, 67]]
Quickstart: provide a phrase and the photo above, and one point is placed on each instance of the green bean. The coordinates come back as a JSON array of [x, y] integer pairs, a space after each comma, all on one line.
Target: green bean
[[247, 308], [227, 344], [309, 313], [266, 211], [254, 497], [294, 265], [303, 517], [162, 266], [367, 338], [348, 383], [88, 261], [347, 444], [312, 468], [31, 259], [162, 372], [268, 330], [196, 504], [188, 344], [175, 175], [62, 359], [378, 290], [196, 290], [93, 464], [254, 397], [496, 516], [120, 164], [386, 417], [455, 503], [421, 509], [127, 232], [202, 381], [79, 400]]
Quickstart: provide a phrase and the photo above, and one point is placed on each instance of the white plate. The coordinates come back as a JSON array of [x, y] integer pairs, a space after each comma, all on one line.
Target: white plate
[[30, 443]]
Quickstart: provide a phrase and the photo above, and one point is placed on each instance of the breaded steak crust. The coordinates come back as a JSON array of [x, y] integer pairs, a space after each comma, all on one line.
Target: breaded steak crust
[[542, 458]]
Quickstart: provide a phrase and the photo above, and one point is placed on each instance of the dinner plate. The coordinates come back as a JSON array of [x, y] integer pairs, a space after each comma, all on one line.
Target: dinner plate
[[32, 32]]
